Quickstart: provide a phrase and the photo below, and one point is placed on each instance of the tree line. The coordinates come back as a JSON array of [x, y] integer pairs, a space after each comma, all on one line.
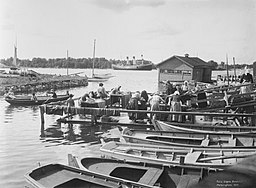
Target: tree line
[[82, 63], [87, 63]]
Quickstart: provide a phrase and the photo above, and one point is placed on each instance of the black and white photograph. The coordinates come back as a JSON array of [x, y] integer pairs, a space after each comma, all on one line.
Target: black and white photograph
[[127, 93]]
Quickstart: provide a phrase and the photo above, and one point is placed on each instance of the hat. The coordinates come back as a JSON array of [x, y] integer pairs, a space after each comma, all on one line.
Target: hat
[[71, 95]]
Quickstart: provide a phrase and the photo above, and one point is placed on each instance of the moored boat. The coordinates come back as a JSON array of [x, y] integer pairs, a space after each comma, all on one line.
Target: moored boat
[[26, 100], [149, 174], [62, 176], [166, 155], [191, 140], [146, 67], [200, 128]]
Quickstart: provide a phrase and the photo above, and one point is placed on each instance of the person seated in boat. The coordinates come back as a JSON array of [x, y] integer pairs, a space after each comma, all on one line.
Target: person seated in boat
[[142, 105], [175, 106], [154, 102], [52, 93], [133, 105], [34, 98], [101, 91], [70, 101]]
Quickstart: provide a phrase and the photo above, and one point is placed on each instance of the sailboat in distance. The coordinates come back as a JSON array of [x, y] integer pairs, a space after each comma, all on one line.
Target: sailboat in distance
[[97, 77]]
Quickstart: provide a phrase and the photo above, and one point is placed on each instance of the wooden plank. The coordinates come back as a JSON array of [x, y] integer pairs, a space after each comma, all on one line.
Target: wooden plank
[[151, 176], [184, 181], [192, 157], [205, 142], [72, 161]]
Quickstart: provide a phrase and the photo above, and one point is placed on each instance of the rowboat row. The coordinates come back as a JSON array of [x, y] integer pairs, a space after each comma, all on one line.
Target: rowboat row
[[157, 154]]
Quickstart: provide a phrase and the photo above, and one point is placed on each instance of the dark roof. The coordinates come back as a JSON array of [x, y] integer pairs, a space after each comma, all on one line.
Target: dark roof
[[190, 61]]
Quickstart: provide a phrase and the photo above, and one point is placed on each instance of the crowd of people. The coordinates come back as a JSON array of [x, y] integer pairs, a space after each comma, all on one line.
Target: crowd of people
[[176, 96]]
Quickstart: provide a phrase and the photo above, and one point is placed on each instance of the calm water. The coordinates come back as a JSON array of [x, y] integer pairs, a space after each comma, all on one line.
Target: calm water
[[22, 149]]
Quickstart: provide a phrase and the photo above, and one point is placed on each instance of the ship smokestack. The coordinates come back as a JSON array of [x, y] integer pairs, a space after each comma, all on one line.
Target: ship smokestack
[[142, 60], [134, 61], [127, 60]]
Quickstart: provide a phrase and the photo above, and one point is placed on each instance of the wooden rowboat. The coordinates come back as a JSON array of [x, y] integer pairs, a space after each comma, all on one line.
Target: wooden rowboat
[[183, 127], [190, 140], [26, 100], [165, 155], [62, 176], [154, 175]]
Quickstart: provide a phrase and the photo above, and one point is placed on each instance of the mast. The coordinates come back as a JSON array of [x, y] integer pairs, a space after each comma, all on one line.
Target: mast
[[234, 68], [67, 62], [15, 55], [227, 68], [93, 61]]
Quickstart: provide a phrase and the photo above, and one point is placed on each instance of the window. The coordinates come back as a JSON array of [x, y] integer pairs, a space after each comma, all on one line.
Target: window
[[170, 71]]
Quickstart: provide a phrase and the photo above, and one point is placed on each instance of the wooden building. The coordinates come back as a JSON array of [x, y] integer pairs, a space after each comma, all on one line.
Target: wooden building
[[181, 68]]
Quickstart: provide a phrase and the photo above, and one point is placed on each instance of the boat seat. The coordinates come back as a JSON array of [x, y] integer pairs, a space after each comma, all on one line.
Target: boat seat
[[187, 181], [192, 157], [205, 142], [232, 142], [151, 176], [247, 141]]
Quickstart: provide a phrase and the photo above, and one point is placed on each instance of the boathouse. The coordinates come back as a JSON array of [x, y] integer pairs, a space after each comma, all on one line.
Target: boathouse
[[181, 68]]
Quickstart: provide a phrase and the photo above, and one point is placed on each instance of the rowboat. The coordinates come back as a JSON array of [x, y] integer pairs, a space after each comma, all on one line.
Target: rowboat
[[190, 139], [26, 100], [155, 175], [166, 155], [184, 127], [62, 176]]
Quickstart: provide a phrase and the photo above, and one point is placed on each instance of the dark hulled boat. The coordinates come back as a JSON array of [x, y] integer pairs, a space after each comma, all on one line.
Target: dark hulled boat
[[26, 100], [147, 67], [134, 65]]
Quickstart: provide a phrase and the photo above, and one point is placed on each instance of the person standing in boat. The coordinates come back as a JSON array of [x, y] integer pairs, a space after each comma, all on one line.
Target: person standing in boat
[[175, 106], [70, 101], [133, 105], [246, 78], [143, 105], [101, 92], [154, 102], [34, 98]]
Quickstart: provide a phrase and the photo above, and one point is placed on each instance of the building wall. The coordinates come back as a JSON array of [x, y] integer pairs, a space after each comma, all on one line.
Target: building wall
[[207, 75], [174, 70], [197, 74]]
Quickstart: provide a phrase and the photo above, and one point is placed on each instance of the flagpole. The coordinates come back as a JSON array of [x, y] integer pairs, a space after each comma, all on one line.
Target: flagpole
[[227, 68]]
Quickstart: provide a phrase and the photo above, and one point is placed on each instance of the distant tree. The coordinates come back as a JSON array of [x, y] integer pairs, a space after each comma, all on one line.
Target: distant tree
[[213, 64]]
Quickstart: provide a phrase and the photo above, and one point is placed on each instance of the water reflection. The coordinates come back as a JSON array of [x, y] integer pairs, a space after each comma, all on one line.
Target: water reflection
[[73, 134]]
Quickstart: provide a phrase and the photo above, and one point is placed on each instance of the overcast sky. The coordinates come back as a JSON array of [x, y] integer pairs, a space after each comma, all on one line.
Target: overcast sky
[[158, 29]]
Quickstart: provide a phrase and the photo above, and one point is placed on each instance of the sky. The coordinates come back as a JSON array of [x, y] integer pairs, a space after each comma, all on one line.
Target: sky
[[156, 29]]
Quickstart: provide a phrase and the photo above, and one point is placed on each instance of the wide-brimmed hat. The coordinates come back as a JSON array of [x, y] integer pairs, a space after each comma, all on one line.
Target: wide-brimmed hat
[[71, 95]]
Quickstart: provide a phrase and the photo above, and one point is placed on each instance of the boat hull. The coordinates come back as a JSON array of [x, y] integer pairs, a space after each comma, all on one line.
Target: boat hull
[[146, 173], [58, 175], [145, 67], [169, 156], [182, 127], [191, 140], [25, 100]]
